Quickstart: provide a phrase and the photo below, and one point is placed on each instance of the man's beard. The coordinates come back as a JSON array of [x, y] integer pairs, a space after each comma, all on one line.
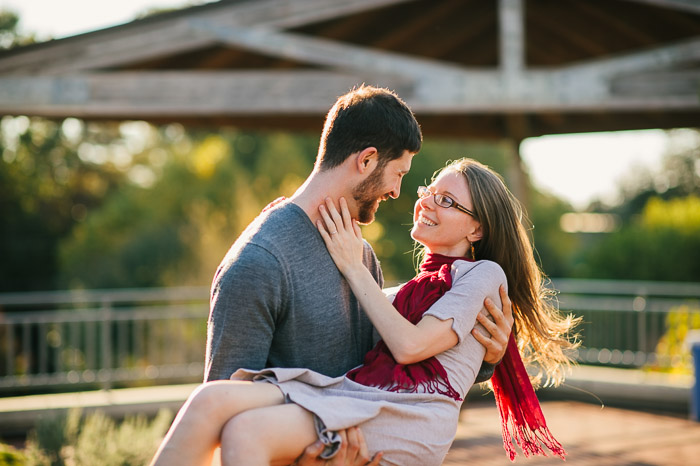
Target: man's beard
[[366, 195]]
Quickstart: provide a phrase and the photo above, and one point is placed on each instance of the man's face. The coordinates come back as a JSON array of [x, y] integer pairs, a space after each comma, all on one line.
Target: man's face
[[383, 183]]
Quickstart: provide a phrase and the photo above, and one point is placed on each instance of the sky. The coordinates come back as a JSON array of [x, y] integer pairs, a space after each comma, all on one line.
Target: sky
[[578, 168]]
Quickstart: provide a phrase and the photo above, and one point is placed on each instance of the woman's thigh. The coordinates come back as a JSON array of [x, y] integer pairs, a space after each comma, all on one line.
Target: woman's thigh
[[282, 431], [220, 400]]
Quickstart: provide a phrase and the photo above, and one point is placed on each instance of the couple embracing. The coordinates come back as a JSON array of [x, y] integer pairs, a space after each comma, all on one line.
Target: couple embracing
[[310, 362]]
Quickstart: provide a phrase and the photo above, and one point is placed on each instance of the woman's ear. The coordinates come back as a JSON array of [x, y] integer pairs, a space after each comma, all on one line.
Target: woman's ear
[[366, 160], [476, 234]]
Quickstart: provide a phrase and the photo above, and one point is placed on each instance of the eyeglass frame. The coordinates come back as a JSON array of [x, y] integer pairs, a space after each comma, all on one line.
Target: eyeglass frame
[[437, 197]]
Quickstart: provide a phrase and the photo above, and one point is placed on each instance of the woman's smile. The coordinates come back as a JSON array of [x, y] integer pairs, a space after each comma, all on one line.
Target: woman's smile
[[425, 221], [444, 230]]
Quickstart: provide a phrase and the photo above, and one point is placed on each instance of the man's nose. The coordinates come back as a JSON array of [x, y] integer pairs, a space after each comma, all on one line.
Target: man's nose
[[396, 190]]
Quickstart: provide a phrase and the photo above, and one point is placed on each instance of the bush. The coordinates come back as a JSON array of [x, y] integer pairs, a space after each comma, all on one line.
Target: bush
[[71, 440], [674, 352], [10, 456]]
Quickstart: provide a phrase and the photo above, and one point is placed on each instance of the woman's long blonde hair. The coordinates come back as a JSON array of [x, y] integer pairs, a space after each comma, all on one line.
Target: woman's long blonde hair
[[544, 335]]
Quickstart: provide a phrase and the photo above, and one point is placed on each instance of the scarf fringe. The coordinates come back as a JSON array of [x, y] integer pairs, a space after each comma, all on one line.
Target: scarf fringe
[[429, 386], [529, 440], [522, 419]]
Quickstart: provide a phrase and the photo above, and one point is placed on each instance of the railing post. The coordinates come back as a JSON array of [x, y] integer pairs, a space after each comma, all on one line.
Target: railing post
[[105, 372], [693, 341]]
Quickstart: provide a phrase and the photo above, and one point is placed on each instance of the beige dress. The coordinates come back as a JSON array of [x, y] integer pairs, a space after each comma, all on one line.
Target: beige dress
[[410, 428]]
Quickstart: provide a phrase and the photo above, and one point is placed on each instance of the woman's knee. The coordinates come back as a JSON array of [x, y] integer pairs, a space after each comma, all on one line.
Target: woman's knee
[[205, 400]]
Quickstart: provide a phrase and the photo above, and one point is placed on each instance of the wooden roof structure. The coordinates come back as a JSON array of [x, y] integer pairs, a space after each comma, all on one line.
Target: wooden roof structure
[[467, 68]]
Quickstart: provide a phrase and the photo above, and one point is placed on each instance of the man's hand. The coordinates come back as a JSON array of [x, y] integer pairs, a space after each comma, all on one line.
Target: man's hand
[[353, 452], [497, 342]]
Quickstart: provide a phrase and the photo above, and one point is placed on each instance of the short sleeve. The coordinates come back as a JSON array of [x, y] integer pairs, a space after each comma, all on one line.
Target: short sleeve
[[472, 282]]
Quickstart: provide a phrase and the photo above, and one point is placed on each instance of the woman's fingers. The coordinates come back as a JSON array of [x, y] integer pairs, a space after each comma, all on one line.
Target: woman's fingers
[[327, 220], [334, 214], [324, 233], [345, 214], [507, 306], [357, 229]]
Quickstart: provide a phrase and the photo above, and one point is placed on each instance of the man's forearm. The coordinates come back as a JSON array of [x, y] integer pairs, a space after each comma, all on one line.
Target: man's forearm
[[485, 372]]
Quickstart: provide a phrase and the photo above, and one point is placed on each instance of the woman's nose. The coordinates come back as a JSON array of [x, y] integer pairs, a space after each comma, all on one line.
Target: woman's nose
[[426, 202]]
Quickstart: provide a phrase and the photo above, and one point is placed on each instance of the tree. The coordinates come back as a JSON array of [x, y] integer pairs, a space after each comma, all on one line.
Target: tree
[[659, 239], [663, 243], [9, 36], [175, 230], [47, 185]]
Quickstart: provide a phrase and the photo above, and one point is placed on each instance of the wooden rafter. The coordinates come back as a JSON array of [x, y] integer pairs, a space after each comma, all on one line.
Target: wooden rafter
[[90, 75]]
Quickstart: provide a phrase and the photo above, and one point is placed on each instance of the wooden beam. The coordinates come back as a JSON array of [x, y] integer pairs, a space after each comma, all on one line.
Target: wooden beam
[[658, 58], [143, 40], [147, 94], [324, 52], [284, 14], [691, 6], [658, 83], [512, 37], [144, 94], [109, 50]]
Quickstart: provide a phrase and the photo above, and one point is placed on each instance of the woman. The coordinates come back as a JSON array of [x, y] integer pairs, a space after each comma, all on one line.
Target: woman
[[407, 395]]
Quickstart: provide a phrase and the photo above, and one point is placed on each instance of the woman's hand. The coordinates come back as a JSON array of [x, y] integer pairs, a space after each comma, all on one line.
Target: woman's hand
[[342, 236]]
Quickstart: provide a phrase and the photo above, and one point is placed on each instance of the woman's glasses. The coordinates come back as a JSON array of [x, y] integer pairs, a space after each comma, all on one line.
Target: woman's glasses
[[443, 200]]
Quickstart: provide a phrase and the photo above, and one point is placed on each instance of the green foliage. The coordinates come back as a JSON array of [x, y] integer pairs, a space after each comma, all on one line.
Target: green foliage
[[662, 244], [672, 347], [175, 230], [70, 439], [47, 185], [9, 36], [10, 456], [553, 248], [132, 205]]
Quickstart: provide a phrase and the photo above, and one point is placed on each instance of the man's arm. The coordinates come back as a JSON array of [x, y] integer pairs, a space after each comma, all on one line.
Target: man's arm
[[246, 298], [499, 329]]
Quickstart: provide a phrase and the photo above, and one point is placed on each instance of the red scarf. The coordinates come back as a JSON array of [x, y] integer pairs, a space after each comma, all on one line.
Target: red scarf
[[380, 369], [518, 407], [521, 415]]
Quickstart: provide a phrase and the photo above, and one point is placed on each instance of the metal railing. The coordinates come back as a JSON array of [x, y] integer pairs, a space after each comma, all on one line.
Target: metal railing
[[102, 337], [152, 336], [632, 323]]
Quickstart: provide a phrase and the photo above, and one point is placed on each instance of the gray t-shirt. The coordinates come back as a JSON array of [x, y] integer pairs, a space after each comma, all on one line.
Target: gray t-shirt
[[278, 300]]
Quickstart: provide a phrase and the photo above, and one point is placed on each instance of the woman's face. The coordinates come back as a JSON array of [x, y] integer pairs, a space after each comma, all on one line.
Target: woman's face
[[441, 230]]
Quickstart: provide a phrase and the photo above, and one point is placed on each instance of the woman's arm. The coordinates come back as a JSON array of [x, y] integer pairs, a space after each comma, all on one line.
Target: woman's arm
[[407, 342]]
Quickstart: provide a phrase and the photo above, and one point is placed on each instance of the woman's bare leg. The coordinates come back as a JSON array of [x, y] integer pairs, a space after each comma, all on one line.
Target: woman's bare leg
[[196, 431], [273, 435]]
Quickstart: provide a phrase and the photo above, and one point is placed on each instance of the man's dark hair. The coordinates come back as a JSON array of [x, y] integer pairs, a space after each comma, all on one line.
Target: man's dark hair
[[368, 117]]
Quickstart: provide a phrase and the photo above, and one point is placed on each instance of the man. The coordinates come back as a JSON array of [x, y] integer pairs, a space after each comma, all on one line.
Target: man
[[277, 299]]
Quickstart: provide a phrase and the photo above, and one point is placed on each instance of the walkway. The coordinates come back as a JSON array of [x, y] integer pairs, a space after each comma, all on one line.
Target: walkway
[[592, 436]]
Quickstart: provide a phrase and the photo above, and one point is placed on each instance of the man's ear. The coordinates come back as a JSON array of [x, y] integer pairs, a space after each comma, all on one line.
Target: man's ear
[[366, 160]]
